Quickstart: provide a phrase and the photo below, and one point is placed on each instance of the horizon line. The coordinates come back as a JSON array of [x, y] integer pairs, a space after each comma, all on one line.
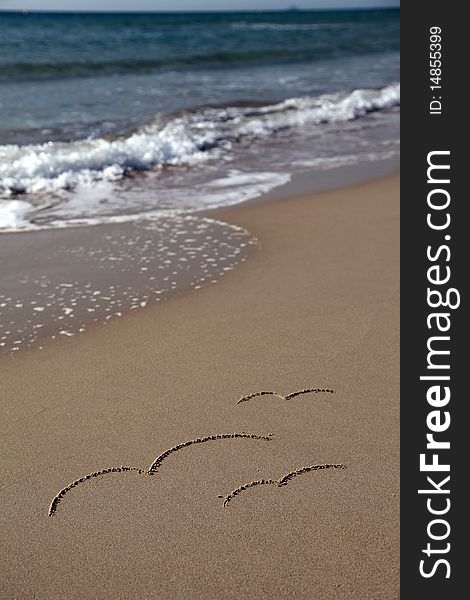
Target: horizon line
[[25, 11]]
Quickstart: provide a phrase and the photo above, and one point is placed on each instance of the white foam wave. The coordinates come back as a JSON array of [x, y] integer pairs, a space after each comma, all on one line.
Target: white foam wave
[[61, 165], [100, 206], [12, 214], [329, 108], [185, 139]]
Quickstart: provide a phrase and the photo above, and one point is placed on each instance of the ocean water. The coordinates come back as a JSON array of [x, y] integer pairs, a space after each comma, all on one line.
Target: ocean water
[[107, 118]]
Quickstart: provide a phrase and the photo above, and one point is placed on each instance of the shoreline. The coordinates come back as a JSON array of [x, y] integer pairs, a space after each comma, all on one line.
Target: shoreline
[[315, 181], [92, 277], [316, 307]]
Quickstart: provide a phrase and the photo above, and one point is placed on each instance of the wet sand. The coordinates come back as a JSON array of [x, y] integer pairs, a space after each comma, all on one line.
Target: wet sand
[[59, 282], [146, 413]]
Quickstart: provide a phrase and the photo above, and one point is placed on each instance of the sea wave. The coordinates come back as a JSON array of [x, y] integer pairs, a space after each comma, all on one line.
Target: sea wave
[[177, 140], [88, 208], [20, 71]]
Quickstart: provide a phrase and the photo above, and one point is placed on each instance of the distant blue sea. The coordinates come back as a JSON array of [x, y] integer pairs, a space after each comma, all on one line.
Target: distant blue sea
[[201, 109]]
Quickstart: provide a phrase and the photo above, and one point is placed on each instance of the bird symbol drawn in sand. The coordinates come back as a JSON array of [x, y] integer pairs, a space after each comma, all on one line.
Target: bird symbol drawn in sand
[[278, 482], [288, 396], [154, 466]]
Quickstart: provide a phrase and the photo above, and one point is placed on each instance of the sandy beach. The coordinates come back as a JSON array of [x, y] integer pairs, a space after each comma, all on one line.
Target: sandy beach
[[315, 306]]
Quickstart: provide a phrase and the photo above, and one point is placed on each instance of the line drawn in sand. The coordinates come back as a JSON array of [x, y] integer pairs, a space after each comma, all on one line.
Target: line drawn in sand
[[279, 482], [55, 502], [154, 466], [288, 396]]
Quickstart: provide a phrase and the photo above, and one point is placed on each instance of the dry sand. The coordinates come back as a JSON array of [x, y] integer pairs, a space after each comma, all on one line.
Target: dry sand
[[315, 307]]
